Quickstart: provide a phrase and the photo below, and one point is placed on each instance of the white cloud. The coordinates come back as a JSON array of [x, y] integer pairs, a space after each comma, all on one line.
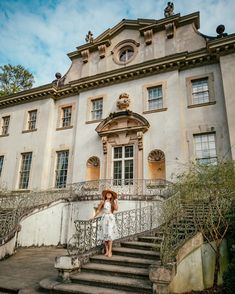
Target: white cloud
[[39, 34]]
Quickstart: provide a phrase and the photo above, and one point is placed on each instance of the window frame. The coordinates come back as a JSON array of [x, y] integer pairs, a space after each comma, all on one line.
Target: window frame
[[2, 157], [123, 160], [58, 185], [146, 88], [189, 89], [210, 159], [5, 126], [27, 172], [60, 117], [94, 111], [90, 100], [30, 121]]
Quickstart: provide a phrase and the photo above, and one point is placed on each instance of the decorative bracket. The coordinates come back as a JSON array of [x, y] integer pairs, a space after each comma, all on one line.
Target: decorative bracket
[[170, 29], [102, 49], [85, 55], [148, 37], [140, 140], [104, 142]]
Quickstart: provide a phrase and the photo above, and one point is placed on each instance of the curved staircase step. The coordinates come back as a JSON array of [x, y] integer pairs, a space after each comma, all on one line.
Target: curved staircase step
[[150, 239], [123, 260], [57, 287], [115, 270], [138, 253], [128, 284], [141, 245]]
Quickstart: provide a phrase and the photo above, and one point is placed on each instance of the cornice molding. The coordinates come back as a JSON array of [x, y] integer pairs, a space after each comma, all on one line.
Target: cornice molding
[[180, 61]]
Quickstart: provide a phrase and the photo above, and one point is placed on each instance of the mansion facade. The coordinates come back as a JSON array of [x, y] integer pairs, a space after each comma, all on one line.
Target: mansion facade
[[141, 101]]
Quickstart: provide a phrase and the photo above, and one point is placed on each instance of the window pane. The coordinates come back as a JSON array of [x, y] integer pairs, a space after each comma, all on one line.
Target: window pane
[[200, 91], [61, 169], [1, 164], [155, 98], [97, 109], [66, 119], [5, 125], [117, 172], [25, 170], [205, 148], [117, 152], [129, 151], [32, 120]]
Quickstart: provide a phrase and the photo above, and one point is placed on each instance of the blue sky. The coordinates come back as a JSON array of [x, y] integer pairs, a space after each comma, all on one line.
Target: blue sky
[[39, 33]]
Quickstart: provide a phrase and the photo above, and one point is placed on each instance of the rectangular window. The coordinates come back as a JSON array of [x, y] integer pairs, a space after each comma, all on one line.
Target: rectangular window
[[66, 116], [155, 98], [61, 169], [205, 148], [5, 125], [1, 164], [97, 109], [32, 118], [200, 91], [123, 165], [25, 170]]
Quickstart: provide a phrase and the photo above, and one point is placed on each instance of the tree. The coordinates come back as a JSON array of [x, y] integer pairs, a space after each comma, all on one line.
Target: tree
[[208, 193], [14, 79]]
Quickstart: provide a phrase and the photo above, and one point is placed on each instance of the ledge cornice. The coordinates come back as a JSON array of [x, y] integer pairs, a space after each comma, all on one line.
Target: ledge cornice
[[180, 61]]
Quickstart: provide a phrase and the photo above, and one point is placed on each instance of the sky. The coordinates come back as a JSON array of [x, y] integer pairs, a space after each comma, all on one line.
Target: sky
[[38, 34]]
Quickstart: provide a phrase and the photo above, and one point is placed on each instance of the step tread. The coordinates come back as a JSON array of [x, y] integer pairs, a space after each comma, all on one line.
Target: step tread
[[123, 258], [116, 268], [135, 251], [150, 238], [122, 281], [140, 243], [80, 289]]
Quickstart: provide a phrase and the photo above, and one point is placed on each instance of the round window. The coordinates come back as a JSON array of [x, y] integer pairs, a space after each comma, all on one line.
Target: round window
[[126, 54]]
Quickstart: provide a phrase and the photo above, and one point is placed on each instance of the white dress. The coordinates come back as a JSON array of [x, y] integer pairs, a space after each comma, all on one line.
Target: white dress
[[107, 228]]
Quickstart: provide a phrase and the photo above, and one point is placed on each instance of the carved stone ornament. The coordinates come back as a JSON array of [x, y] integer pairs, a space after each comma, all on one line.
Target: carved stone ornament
[[104, 142], [170, 28], [123, 101], [169, 10], [148, 37], [102, 49], [140, 140], [85, 55]]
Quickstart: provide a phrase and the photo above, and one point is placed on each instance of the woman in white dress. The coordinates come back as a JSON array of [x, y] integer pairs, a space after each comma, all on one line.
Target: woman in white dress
[[107, 230]]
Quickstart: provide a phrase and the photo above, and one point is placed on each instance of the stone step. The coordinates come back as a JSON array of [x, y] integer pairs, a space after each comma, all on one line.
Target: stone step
[[57, 287], [150, 239], [115, 270], [137, 253], [141, 245], [120, 283], [123, 261]]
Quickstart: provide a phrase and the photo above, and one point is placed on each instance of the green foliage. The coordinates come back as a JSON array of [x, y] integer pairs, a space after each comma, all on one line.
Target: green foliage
[[14, 79]]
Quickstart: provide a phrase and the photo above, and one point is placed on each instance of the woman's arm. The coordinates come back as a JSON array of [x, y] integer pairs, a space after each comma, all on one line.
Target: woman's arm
[[115, 204], [100, 206]]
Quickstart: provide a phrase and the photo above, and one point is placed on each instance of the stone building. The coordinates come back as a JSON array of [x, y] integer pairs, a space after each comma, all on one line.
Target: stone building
[[140, 101]]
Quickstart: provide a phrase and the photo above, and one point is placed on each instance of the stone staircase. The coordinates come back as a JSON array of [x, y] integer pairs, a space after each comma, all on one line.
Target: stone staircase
[[125, 272]]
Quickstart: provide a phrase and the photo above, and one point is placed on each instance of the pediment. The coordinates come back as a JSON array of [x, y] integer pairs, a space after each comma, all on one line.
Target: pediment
[[123, 121]]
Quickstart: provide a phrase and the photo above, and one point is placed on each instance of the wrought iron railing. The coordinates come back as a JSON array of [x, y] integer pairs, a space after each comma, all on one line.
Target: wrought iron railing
[[14, 206], [126, 189], [129, 223]]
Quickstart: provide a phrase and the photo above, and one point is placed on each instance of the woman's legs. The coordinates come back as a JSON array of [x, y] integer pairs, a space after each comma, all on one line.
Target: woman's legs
[[110, 244], [106, 248]]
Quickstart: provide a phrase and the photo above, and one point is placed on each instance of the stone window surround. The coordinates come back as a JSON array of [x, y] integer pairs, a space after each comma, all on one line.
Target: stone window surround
[[1, 124], [60, 115], [128, 43], [89, 119], [210, 77], [205, 129], [18, 167], [26, 119], [145, 88], [52, 180]]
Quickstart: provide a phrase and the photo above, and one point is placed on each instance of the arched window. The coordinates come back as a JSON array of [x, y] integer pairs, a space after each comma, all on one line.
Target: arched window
[[156, 165], [93, 169]]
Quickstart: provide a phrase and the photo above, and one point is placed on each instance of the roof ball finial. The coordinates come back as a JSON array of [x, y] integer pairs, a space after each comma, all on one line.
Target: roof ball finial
[[220, 31], [58, 75]]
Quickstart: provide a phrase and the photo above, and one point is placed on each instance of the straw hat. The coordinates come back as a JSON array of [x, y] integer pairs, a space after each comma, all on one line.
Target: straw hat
[[109, 191]]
